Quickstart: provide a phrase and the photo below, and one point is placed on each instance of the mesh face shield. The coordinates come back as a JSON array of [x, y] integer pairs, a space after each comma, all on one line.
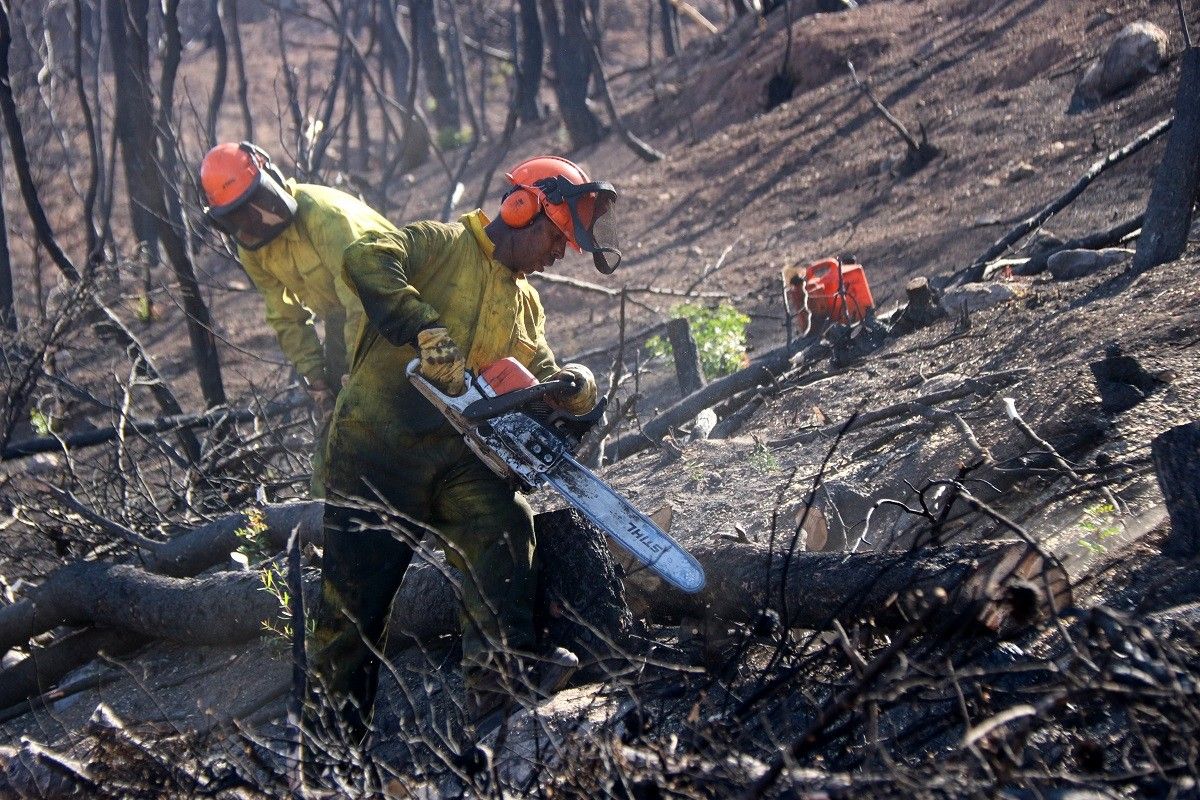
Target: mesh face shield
[[594, 225], [264, 214]]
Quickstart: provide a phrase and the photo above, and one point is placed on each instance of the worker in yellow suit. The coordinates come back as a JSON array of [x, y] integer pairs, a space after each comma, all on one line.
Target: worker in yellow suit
[[455, 296], [290, 238]]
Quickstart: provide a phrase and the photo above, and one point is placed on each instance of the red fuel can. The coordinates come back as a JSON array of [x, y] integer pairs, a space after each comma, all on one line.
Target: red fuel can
[[826, 291]]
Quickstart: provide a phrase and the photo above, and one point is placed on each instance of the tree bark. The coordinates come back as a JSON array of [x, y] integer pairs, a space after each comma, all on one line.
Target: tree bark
[[128, 38], [924, 307], [687, 358], [221, 72], [8, 312], [1176, 455], [425, 40], [229, 9], [33, 675], [669, 21], [136, 109], [572, 70], [1169, 211], [529, 63], [80, 21]]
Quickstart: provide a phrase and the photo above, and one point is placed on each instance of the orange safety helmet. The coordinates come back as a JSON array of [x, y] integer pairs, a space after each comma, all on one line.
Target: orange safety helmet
[[238, 199], [575, 204]]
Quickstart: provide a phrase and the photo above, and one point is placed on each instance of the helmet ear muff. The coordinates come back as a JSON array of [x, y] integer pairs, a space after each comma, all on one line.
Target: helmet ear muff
[[519, 207]]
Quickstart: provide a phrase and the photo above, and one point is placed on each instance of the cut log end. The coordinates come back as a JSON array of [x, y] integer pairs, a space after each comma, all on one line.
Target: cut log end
[[1017, 588]]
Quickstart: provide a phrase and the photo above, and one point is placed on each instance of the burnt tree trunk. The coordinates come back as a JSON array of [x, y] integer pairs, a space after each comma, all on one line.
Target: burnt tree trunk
[[128, 37], [572, 70], [997, 586], [581, 600], [425, 40], [1169, 211], [128, 41], [529, 63], [32, 676], [669, 22], [1176, 455], [230, 14], [220, 73], [8, 313], [687, 357]]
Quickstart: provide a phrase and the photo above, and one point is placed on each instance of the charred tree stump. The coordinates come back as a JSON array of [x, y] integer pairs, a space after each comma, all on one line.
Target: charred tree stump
[[924, 307], [581, 600], [1176, 455], [1169, 211], [686, 355]]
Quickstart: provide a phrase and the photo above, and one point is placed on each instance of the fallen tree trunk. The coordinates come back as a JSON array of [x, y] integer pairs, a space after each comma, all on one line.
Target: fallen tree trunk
[[185, 555], [138, 427], [1000, 586], [33, 676], [761, 370]]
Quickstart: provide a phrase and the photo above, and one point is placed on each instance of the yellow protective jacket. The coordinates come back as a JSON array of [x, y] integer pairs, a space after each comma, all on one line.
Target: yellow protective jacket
[[428, 272], [299, 274]]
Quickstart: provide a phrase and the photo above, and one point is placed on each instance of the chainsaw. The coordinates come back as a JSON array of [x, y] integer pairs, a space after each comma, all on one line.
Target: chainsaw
[[504, 416]]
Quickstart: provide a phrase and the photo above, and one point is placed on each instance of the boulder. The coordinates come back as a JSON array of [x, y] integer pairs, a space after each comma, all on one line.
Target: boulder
[[1066, 265], [976, 296], [1139, 50]]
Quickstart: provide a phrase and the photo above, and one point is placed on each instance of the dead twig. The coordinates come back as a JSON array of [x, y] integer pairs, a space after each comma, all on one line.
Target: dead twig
[[919, 153]]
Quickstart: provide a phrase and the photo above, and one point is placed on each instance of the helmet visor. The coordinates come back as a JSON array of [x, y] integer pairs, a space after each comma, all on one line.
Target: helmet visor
[[595, 223], [257, 220]]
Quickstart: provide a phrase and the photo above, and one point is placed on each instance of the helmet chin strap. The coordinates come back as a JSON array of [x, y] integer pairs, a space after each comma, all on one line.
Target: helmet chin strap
[[601, 263]]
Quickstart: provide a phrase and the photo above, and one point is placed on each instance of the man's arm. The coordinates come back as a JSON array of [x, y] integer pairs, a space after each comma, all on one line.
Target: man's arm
[[377, 266], [290, 320]]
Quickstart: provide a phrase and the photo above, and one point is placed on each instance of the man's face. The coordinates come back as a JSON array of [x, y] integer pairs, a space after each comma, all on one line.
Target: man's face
[[537, 246]]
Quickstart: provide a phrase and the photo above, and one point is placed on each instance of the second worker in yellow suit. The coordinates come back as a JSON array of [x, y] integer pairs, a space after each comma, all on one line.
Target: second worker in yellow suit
[[291, 238]]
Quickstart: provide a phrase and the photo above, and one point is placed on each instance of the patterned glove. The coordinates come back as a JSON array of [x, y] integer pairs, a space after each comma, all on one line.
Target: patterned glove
[[442, 363], [583, 399]]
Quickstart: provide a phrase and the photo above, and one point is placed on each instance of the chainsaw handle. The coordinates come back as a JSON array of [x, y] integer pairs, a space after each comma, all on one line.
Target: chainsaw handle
[[490, 407]]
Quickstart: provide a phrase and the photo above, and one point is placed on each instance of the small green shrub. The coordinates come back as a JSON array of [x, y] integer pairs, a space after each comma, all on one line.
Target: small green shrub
[[720, 335], [1099, 522], [762, 459], [274, 580], [255, 548], [255, 543]]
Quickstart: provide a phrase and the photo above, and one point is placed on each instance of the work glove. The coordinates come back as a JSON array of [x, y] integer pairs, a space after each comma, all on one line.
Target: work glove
[[583, 399], [442, 363], [322, 396]]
